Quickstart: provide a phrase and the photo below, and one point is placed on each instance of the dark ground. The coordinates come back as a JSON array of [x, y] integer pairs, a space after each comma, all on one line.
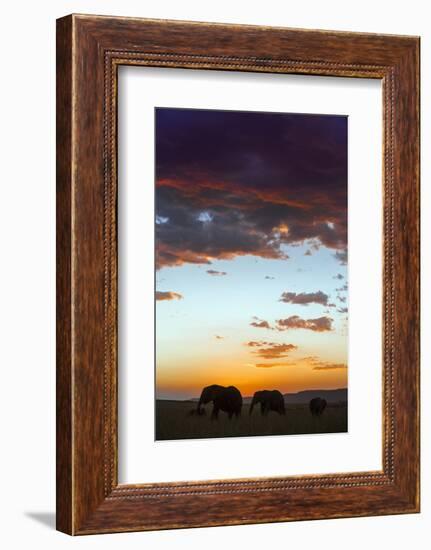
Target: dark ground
[[173, 421]]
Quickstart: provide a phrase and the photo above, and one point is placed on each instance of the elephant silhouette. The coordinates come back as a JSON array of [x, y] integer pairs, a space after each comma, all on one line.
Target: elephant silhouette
[[226, 399], [317, 406], [270, 400]]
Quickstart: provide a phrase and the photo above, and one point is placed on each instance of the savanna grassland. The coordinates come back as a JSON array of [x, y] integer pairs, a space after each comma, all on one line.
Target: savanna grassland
[[174, 421]]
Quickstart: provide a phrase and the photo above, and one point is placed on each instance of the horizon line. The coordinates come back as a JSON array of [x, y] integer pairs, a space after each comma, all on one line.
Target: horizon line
[[250, 396]]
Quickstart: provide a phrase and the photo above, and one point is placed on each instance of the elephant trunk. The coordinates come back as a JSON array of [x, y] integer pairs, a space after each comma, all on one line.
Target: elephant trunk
[[204, 399], [199, 405]]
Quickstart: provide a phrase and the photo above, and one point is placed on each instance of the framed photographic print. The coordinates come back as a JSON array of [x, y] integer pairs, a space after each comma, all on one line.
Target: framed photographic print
[[237, 274]]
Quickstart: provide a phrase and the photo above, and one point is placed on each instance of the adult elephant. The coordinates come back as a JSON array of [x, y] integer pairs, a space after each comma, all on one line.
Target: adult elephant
[[270, 400], [226, 399], [317, 406]]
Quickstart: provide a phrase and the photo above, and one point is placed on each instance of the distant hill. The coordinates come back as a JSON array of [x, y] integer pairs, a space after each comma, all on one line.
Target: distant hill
[[331, 396]]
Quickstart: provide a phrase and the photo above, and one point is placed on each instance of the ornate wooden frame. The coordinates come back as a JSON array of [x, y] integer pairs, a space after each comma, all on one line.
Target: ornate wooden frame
[[89, 51]]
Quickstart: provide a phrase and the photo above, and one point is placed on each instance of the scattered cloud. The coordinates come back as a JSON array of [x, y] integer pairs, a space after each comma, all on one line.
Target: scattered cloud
[[216, 273], [315, 243], [163, 296], [308, 253], [160, 220], [329, 366], [293, 363], [341, 298], [272, 365], [317, 364], [271, 350], [218, 337], [305, 298], [321, 324], [341, 256], [343, 310], [342, 288], [338, 276], [260, 323], [312, 361], [270, 278], [205, 217], [256, 344]]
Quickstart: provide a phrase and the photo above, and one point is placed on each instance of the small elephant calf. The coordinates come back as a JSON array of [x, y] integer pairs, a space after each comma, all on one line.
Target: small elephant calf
[[317, 406]]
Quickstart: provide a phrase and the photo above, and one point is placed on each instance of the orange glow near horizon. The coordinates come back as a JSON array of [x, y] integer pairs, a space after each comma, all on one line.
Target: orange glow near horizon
[[287, 378], [289, 363]]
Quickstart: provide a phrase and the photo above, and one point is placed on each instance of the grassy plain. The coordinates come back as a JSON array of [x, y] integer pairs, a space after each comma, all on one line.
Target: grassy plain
[[173, 421]]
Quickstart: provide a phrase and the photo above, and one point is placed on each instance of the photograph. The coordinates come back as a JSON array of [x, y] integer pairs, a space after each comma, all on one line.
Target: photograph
[[251, 278]]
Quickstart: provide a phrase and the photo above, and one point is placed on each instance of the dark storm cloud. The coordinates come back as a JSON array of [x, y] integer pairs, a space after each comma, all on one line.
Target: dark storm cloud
[[305, 298], [236, 183], [321, 324]]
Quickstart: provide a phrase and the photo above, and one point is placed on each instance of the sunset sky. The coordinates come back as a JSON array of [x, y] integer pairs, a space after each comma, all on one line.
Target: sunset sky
[[251, 251]]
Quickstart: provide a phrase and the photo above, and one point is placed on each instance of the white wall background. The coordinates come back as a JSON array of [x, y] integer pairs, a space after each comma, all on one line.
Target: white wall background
[[27, 286]]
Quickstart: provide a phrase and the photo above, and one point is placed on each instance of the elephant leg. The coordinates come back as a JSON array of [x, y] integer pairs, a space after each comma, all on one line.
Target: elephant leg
[[230, 414], [214, 414], [262, 409]]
